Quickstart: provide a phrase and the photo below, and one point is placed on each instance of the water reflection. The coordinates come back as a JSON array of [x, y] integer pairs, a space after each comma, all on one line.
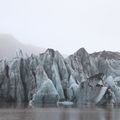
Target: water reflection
[[60, 113]]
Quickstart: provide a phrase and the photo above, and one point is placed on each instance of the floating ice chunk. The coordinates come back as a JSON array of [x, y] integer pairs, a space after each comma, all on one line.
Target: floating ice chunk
[[65, 103]]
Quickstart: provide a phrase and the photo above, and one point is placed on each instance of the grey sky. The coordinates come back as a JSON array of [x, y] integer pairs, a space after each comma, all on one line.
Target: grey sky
[[65, 25]]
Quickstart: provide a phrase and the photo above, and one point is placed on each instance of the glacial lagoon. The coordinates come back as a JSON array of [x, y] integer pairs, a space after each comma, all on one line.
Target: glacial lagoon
[[49, 78], [61, 113]]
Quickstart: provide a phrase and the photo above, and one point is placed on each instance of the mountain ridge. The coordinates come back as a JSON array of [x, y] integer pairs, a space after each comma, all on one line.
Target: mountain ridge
[[9, 46]]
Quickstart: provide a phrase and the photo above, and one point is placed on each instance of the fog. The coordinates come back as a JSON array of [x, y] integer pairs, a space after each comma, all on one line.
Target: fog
[[65, 25]]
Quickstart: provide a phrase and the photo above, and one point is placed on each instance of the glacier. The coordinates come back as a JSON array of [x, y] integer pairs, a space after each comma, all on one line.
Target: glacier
[[49, 78]]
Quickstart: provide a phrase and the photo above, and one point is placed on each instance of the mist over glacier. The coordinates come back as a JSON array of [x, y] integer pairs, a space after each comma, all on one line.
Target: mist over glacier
[[49, 78]]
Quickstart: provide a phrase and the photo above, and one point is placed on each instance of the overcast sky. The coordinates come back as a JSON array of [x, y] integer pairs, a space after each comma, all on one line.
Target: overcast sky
[[65, 25]]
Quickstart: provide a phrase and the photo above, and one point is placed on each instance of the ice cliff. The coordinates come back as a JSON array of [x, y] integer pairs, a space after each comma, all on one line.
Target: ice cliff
[[47, 78]]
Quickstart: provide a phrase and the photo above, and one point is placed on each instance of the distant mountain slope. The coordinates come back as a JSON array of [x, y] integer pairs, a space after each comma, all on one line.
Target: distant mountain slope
[[9, 45]]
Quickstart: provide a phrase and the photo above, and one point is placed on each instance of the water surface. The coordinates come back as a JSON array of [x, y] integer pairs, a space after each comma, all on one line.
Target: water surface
[[83, 113]]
